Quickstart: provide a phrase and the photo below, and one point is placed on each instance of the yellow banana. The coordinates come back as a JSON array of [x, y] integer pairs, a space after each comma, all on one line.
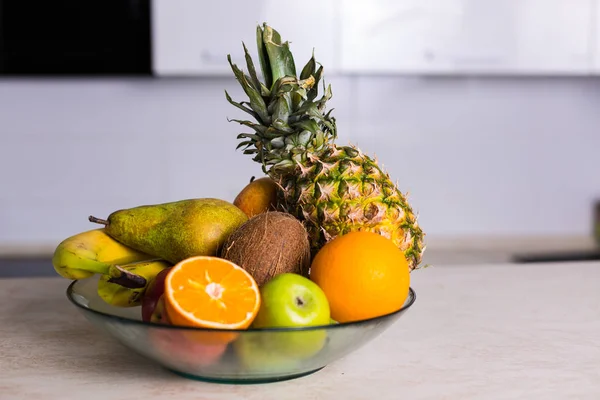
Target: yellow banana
[[87, 253], [112, 290]]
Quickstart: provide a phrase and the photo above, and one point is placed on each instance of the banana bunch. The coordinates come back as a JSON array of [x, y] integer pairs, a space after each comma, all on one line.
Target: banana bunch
[[118, 295], [93, 252], [125, 273]]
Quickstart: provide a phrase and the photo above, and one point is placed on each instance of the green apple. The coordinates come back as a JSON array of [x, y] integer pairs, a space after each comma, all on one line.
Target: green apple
[[257, 355], [291, 300]]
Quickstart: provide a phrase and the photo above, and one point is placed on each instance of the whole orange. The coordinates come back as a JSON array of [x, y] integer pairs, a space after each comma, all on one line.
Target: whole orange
[[363, 275]]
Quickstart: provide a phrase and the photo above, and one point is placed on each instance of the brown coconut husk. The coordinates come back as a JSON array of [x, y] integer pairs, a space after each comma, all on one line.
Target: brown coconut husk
[[269, 244]]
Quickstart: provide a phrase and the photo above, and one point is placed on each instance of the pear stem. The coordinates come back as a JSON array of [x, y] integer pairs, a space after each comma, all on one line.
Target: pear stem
[[95, 220]]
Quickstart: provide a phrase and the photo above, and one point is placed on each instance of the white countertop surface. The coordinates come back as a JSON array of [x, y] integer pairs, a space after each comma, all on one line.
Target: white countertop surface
[[485, 332]]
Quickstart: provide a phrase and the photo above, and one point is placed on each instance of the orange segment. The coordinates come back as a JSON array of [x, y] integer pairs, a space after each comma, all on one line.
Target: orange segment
[[211, 292]]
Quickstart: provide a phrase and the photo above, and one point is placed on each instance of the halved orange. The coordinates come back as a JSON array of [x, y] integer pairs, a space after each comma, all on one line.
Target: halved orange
[[211, 292]]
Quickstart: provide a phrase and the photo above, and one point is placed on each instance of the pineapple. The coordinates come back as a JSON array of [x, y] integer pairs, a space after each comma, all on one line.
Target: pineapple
[[332, 189]]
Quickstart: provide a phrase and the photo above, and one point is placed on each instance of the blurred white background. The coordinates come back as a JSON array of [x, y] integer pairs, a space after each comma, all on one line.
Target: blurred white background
[[486, 112]]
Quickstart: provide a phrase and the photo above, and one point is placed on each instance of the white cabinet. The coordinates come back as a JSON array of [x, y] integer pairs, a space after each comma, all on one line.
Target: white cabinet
[[193, 37], [553, 36], [596, 38], [529, 37], [467, 36]]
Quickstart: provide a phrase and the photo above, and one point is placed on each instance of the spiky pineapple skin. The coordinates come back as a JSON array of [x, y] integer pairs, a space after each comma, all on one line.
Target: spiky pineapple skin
[[344, 190], [333, 190]]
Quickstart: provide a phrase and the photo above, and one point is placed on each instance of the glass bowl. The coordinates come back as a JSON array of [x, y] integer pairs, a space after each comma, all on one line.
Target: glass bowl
[[239, 356]]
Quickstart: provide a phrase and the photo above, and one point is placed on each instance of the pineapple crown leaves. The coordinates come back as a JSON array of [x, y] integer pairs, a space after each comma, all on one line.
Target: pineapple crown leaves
[[290, 122]]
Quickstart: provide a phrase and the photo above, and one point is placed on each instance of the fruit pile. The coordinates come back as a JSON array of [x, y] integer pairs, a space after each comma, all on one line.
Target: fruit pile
[[324, 237]]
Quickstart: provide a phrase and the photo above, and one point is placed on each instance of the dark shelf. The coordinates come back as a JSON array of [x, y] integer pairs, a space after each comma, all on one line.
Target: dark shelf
[[26, 266], [591, 255], [75, 38]]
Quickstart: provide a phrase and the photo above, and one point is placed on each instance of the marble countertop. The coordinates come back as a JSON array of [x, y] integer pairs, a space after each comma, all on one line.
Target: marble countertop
[[487, 331]]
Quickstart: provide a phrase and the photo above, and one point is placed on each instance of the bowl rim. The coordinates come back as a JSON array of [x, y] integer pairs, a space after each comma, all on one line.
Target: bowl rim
[[410, 300]]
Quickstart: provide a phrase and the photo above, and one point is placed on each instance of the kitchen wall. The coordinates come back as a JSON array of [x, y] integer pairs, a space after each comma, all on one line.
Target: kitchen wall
[[479, 156]]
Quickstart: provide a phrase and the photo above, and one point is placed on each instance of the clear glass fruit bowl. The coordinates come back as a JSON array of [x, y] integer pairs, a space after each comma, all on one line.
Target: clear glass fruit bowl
[[239, 356]]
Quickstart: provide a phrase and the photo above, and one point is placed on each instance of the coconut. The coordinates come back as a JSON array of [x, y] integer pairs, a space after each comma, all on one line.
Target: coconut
[[269, 244]]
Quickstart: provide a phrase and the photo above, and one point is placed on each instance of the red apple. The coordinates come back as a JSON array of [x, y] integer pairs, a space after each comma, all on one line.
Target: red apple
[[178, 347], [159, 314], [185, 353], [155, 290]]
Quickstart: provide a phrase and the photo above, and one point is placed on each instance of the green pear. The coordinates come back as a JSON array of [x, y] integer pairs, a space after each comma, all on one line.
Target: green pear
[[177, 230]]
